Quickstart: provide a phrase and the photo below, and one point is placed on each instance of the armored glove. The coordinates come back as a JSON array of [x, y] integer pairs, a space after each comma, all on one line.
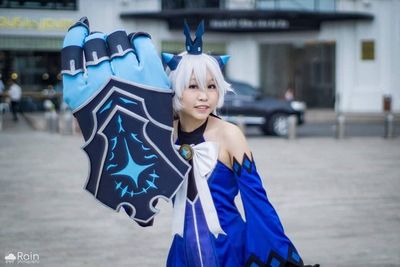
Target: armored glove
[[121, 97]]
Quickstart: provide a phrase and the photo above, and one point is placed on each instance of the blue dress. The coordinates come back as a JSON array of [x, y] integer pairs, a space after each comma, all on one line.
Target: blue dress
[[258, 241]]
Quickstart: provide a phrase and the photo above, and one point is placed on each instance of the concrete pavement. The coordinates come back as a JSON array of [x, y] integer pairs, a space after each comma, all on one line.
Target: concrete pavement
[[339, 202]]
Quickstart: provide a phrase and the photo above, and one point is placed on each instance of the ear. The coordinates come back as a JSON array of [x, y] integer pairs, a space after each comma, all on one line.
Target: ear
[[171, 60], [222, 60]]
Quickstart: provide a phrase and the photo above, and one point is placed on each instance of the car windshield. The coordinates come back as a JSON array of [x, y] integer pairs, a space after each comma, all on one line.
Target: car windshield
[[243, 89]]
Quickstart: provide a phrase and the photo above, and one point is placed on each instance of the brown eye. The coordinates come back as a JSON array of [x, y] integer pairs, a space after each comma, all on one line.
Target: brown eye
[[193, 86], [212, 86]]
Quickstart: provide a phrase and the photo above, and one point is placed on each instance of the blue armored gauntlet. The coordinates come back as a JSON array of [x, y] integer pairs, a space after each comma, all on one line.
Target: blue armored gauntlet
[[121, 97]]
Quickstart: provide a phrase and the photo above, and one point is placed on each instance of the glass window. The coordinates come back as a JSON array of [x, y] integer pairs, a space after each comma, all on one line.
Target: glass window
[[177, 47], [243, 88], [179, 4], [24, 43], [36, 70], [40, 4], [38, 74], [309, 5]]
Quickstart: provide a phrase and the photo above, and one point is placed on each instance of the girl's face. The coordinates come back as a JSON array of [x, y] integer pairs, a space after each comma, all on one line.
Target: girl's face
[[197, 102]]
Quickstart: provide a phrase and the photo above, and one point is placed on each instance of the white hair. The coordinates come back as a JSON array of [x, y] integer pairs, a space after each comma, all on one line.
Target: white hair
[[197, 65]]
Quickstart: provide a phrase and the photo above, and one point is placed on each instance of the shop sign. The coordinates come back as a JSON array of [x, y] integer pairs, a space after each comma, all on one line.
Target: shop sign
[[243, 24], [40, 24]]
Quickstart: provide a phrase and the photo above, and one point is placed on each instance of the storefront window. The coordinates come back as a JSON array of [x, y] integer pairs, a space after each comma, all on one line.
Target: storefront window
[[301, 5], [181, 4], [36, 70], [177, 47], [40, 4], [307, 68], [38, 74]]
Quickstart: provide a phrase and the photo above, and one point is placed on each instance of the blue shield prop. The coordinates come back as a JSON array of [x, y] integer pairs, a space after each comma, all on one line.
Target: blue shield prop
[[128, 132]]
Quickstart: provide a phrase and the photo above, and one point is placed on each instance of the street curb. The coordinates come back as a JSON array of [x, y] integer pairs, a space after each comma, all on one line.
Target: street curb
[[35, 123]]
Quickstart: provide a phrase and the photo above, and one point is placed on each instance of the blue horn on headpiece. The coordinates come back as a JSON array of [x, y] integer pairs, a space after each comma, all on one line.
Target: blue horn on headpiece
[[171, 60], [222, 60], [193, 47]]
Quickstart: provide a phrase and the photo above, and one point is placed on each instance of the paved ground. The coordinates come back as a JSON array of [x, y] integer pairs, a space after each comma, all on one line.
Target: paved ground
[[338, 199], [319, 123]]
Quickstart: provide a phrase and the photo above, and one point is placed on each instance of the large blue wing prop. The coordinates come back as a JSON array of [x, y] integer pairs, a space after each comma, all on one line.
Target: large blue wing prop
[[128, 141], [121, 97]]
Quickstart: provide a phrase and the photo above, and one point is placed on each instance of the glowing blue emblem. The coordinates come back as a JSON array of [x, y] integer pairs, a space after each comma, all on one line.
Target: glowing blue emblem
[[133, 160]]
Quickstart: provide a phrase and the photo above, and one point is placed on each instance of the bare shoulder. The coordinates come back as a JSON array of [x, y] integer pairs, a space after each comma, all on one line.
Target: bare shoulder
[[229, 130], [235, 142], [231, 139]]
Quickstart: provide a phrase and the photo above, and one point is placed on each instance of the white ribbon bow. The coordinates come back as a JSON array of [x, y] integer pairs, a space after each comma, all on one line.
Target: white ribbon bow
[[205, 157]]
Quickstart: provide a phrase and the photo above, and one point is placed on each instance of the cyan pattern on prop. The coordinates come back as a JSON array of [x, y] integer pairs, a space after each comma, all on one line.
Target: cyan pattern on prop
[[123, 103]]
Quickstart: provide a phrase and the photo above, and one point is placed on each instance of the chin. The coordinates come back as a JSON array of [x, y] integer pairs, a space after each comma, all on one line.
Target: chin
[[197, 115], [201, 116]]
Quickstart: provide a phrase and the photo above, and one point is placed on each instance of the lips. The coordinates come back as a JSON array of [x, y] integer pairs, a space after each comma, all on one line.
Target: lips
[[202, 107]]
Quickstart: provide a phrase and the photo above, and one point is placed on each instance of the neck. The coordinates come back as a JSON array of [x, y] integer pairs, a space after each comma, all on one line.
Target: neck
[[189, 124]]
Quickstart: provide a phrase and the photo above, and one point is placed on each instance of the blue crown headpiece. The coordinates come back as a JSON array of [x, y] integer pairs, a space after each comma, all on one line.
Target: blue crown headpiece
[[193, 47]]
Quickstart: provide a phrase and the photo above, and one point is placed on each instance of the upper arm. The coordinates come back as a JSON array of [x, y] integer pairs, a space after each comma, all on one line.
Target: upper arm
[[236, 144]]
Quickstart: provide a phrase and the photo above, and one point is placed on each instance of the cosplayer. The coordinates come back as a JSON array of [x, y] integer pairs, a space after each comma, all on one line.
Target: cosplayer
[[123, 102], [209, 230]]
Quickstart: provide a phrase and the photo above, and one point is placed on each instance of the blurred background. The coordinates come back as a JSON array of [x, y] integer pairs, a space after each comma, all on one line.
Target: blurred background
[[301, 69], [334, 54]]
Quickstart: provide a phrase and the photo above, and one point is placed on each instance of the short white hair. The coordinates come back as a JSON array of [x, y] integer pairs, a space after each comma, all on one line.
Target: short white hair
[[197, 65]]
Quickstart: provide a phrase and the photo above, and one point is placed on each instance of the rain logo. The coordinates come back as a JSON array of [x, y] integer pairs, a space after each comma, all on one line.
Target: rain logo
[[10, 258], [22, 258]]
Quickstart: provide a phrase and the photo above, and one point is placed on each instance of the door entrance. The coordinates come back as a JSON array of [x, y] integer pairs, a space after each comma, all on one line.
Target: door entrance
[[308, 69]]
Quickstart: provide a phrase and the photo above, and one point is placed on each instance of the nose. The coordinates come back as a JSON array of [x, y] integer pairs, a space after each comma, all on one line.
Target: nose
[[203, 96]]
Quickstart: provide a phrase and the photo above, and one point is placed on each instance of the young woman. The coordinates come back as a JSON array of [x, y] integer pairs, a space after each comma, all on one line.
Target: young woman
[[208, 228]]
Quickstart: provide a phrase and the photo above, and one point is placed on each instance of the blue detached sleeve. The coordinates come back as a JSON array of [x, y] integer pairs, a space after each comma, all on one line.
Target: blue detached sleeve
[[266, 242]]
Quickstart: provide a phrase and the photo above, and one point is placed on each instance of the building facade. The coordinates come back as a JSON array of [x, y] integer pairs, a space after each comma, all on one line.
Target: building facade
[[339, 54]]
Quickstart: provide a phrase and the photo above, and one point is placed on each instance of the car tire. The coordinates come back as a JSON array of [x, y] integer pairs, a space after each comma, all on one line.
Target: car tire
[[278, 124]]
